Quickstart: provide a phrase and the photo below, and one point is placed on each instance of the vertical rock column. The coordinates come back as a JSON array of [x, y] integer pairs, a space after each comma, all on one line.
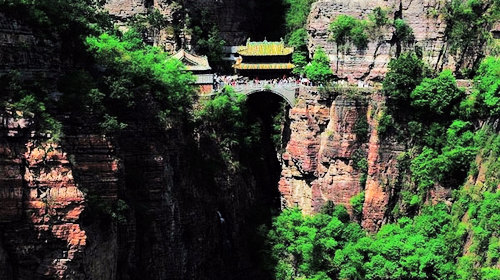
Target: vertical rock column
[[317, 162], [53, 206]]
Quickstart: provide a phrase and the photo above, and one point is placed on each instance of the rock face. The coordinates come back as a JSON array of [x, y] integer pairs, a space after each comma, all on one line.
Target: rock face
[[144, 205], [141, 206], [236, 20], [319, 161], [371, 64], [23, 50]]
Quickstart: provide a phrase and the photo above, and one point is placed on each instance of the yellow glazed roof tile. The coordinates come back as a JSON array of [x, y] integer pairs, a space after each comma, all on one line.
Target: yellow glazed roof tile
[[263, 66], [264, 49]]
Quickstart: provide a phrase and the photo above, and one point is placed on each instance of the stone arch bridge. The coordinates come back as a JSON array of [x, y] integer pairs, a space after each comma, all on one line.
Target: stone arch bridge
[[287, 91]]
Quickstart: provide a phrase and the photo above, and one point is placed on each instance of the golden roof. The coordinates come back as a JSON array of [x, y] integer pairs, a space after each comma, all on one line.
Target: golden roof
[[192, 62], [264, 48], [263, 66]]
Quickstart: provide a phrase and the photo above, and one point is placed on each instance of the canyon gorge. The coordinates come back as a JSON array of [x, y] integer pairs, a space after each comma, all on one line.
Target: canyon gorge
[[165, 202]]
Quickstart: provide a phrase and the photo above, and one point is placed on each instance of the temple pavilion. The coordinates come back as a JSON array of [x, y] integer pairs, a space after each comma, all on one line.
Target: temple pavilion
[[264, 60], [199, 66]]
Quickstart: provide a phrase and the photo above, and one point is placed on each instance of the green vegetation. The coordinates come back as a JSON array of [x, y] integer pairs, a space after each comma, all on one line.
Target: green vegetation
[[437, 97], [319, 70], [360, 163], [69, 20], [347, 29], [467, 29], [405, 73], [135, 72], [357, 204], [445, 144], [296, 35], [361, 129], [205, 37], [485, 98], [379, 17], [402, 31], [225, 117], [298, 40], [328, 246], [149, 24], [115, 76]]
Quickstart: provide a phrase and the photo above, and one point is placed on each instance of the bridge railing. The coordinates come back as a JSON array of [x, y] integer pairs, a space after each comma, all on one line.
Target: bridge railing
[[262, 85]]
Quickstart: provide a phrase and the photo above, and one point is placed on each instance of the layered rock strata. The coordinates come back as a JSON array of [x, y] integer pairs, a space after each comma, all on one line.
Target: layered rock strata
[[318, 164], [371, 63]]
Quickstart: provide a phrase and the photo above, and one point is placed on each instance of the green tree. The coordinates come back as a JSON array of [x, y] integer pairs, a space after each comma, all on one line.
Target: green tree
[[225, 116], [296, 14], [467, 27], [319, 70], [404, 75], [438, 96], [379, 17], [134, 72], [403, 32], [357, 203], [346, 29], [298, 40]]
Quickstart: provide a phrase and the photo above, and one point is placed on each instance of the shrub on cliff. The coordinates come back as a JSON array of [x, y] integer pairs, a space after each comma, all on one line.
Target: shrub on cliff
[[467, 25], [437, 97], [404, 75], [485, 98], [319, 70], [225, 116], [298, 40], [296, 15], [325, 246], [346, 30], [69, 21], [135, 74]]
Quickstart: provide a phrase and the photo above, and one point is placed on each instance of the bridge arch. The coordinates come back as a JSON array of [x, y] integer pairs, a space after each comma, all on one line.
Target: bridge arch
[[286, 91], [289, 99]]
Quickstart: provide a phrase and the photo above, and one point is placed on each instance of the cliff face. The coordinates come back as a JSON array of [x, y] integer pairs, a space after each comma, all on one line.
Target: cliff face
[[149, 203], [141, 206], [371, 63], [319, 163], [236, 20], [23, 50]]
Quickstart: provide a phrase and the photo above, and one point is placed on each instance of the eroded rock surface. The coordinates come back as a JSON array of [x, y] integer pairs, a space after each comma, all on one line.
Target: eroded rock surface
[[371, 64], [318, 164]]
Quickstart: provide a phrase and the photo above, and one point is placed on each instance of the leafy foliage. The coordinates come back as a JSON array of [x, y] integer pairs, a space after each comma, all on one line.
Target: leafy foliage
[[296, 14], [357, 203], [303, 246], [225, 114], [206, 38], [298, 40], [347, 29], [405, 74], [319, 70], [379, 17], [485, 98], [296, 35], [468, 25], [134, 72], [361, 129], [402, 31], [437, 97], [326, 246], [80, 17]]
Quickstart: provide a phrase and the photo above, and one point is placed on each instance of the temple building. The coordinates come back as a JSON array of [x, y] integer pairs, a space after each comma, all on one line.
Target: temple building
[[200, 68], [264, 60]]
